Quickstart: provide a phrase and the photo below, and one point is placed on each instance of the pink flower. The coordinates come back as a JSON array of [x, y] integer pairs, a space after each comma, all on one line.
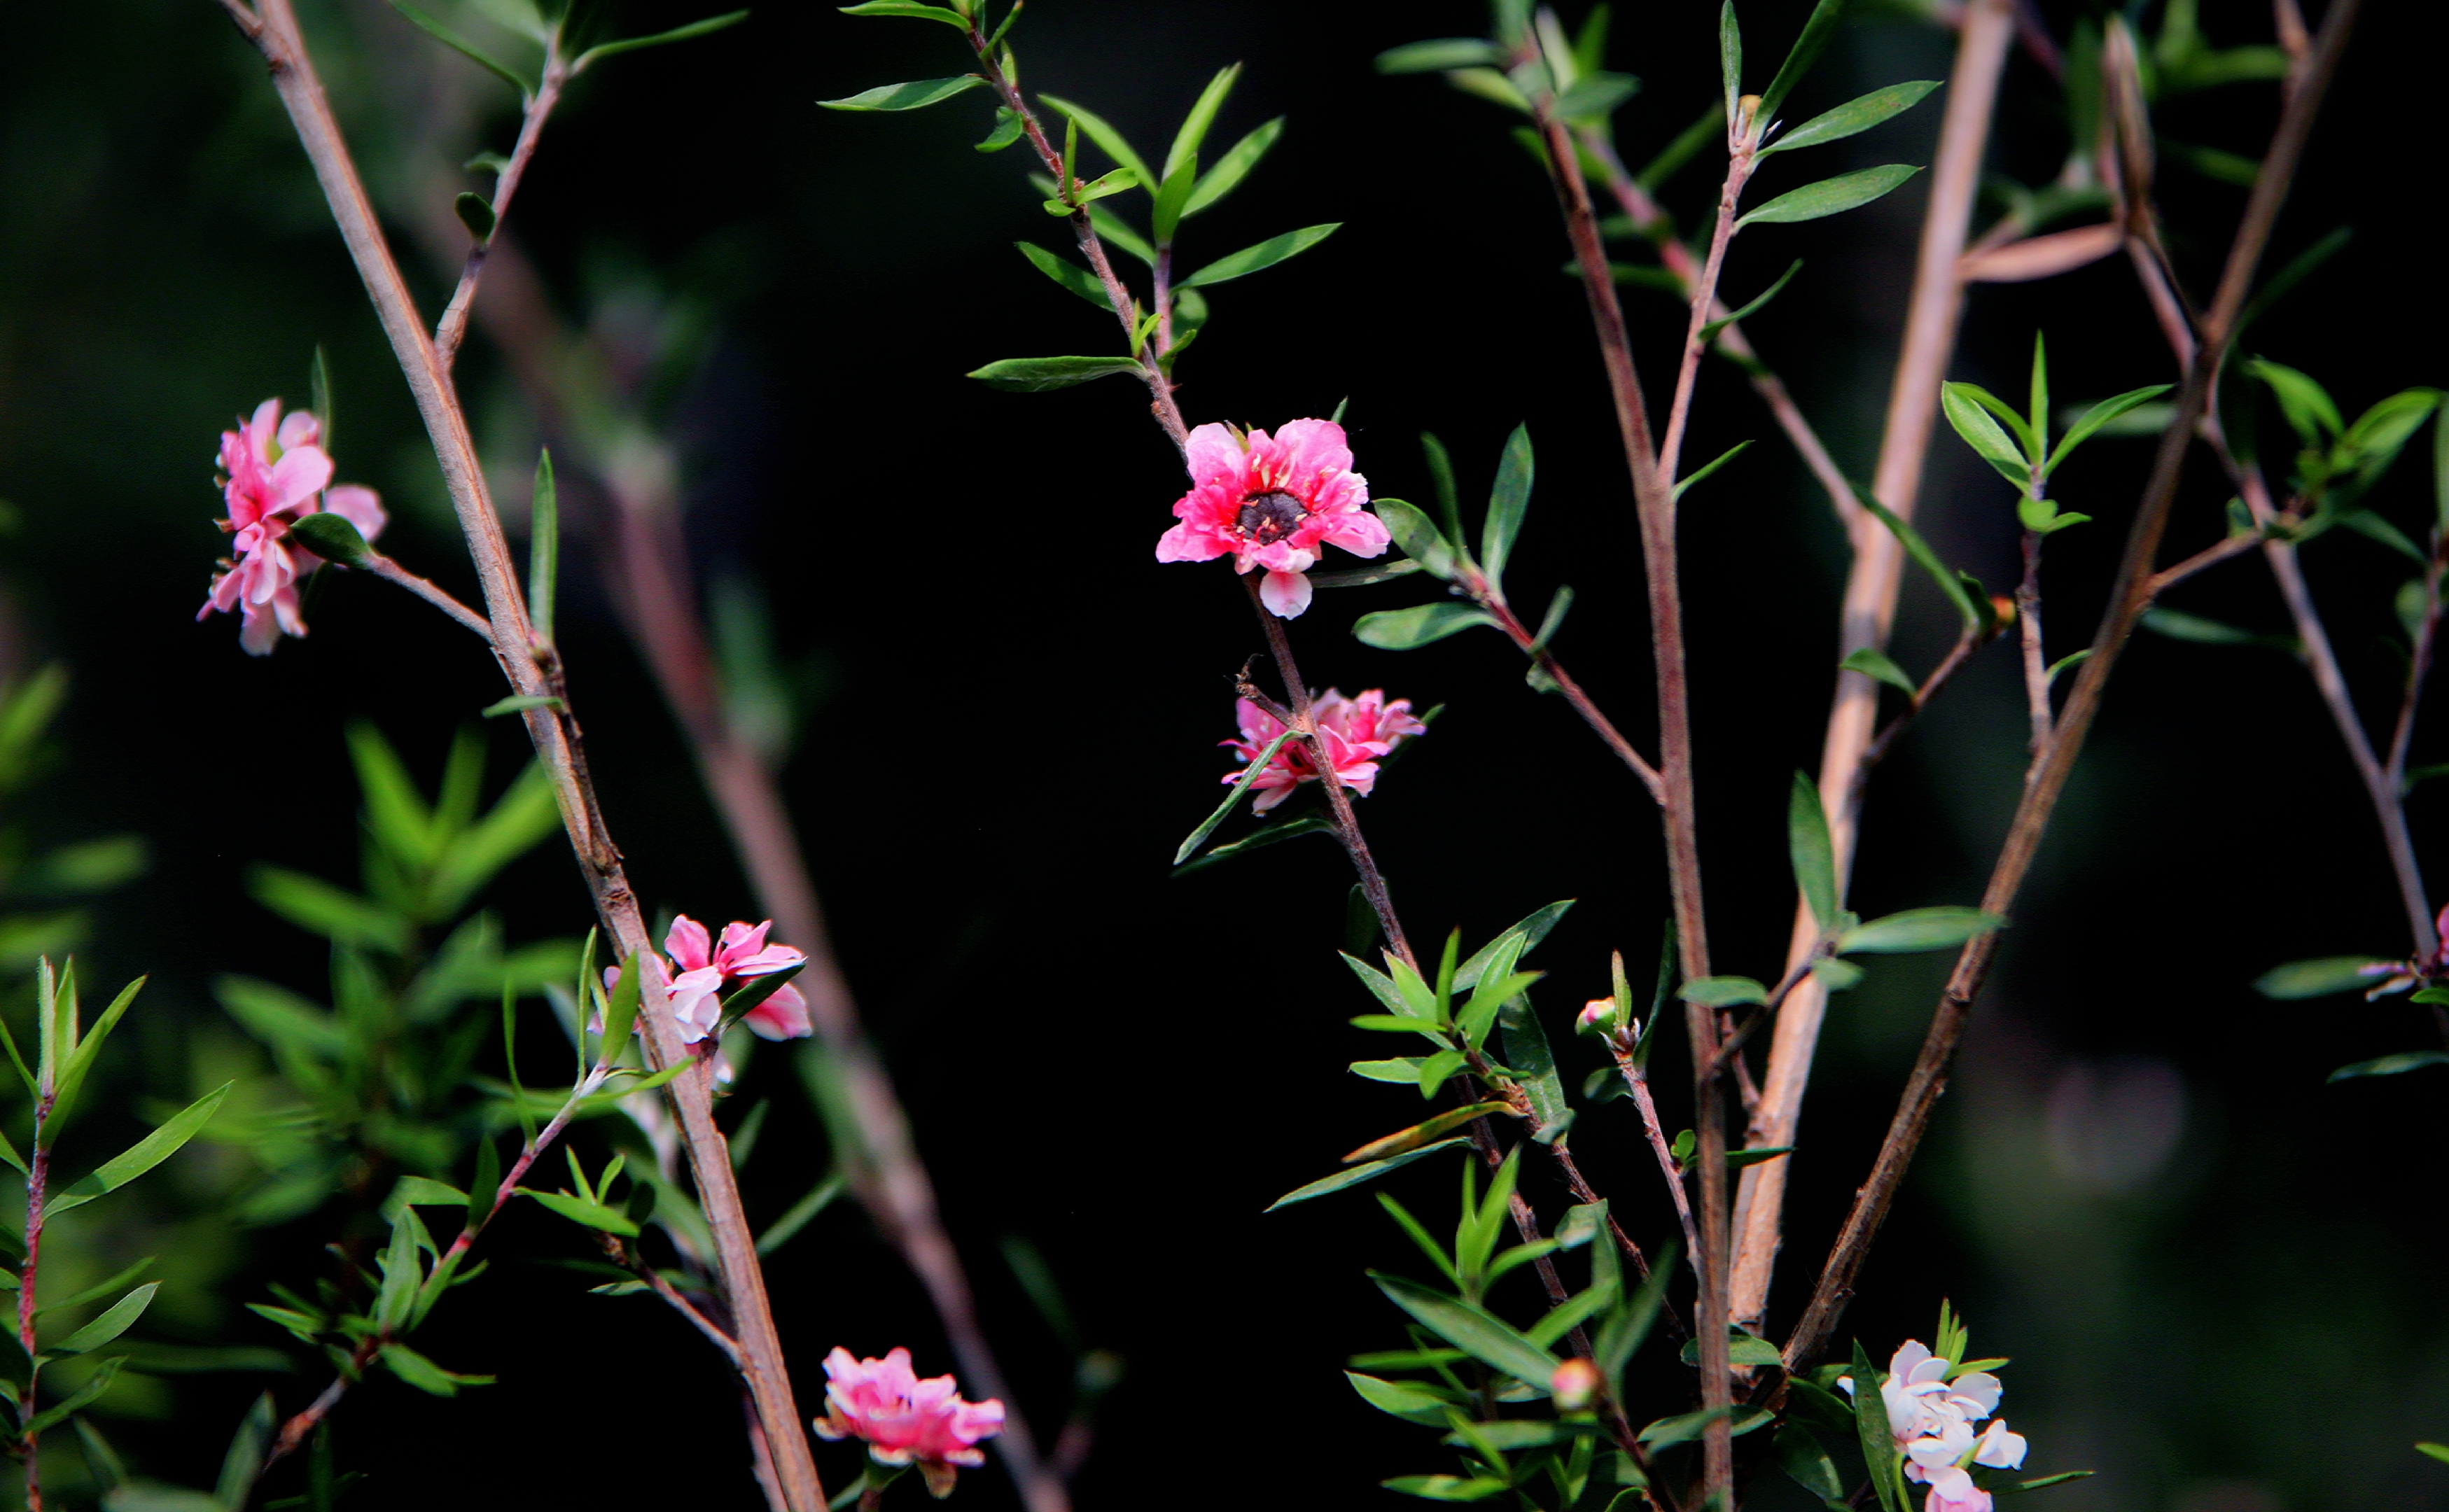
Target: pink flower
[[1271, 501], [1574, 1383], [904, 1418], [691, 998], [742, 953], [274, 471], [1356, 730]]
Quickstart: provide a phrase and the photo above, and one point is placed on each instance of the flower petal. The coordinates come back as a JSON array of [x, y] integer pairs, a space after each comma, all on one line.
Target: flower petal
[[1285, 594]]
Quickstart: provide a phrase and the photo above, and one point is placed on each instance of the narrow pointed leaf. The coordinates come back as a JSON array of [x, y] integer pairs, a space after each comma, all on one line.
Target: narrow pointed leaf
[[1813, 854], [1847, 191], [1712, 466], [1202, 115], [916, 95], [1854, 116], [911, 8], [1981, 431], [1492, 1342], [1877, 666], [1918, 549], [1709, 332], [2101, 414], [1039, 375], [543, 548], [661, 39], [143, 1156], [1241, 784], [1873, 1436], [1730, 57], [1233, 168], [1354, 1175], [1438, 55], [1817, 32], [1936, 928], [1505, 503], [1421, 1134], [621, 1011], [1108, 138], [121, 1316], [1265, 255], [468, 50], [1416, 537], [1408, 629]]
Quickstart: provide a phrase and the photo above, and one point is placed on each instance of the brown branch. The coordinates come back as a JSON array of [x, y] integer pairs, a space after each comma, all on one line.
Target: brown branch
[[1868, 611], [1704, 297], [1655, 505], [1970, 642], [391, 571], [554, 731], [2047, 777], [2028, 621], [453, 327], [1492, 601]]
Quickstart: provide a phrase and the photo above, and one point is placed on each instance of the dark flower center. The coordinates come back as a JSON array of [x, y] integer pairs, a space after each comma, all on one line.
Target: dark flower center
[[1267, 518]]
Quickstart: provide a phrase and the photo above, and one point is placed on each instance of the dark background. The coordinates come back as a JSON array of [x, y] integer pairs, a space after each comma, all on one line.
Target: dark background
[[2216, 1273]]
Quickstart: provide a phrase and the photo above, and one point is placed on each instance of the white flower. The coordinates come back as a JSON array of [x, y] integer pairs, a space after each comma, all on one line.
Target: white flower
[[1998, 1449]]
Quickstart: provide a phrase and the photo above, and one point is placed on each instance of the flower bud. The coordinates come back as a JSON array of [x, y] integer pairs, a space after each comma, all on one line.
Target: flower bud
[[1574, 1385], [1596, 1015]]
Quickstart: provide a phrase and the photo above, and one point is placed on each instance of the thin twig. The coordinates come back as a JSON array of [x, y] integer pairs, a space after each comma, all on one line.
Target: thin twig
[[1655, 505], [2027, 620], [553, 730], [1704, 298], [1970, 642], [453, 327], [1485, 594], [2049, 775], [1868, 611], [391, 571], [1637, 1082]]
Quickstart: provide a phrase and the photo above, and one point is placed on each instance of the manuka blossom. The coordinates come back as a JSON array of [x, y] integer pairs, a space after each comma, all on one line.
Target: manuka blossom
[[905, 1420], [1356, 730], [272, 471], [1273, 501], [1931, 1418], [691, 984], [1595, 1016], [739, 954]]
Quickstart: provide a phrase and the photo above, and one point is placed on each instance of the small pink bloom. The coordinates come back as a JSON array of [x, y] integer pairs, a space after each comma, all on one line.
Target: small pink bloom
[[274, 471], [905, 1420], [1356, 732], [1273, 501], [740, 954], [689, 997], [1574, 1383]]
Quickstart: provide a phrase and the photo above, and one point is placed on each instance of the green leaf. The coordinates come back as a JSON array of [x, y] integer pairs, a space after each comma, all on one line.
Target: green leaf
[[687, 34], [424, 1374], [1730, 57], [1400, 1023], [621, 1011], [543, 548], [523, 816], [1507, 502], [423, 1190], [1875, 665], [1436, 1071], [449, 39], [1724, 992], [786, 1227], [1401, 1071], [2060, 1479], [1039, 375], [1914, 930], [1355, 1175], [518, 704], [81, 1061], [1241, 784], [1438, 54], [1873, 1435], [1737, 1160], [1847, 191], [1254, 258], [1447, 1487], [1407, 1399], [2180, 626], [2437, 1451], [319, 908], [243, 1463], [1817, 31], [580, 1210], [1259, 839], [1233, 168], [1009, 128], [476, 213], [400, 1271], [1949, 583], [2316, 979], [1685, 1427], [1416, 537], [1421, 1133], [916, 95], [1974, 421], [2098, 415], [1524, 1041], [121, 1316], [2308, 407], [1485, 1337], [1363, 577], [1709, 332], [1594, 97], [1813, 854], [332, 536], [1103, 187], [907, 8], [1853, 117], [141, 1157], [77, 1400], [1410, 629], [1185, 151], [1110, 140], [1498, 982], [1807, 1464], [2390, 1064], [2070, 659]]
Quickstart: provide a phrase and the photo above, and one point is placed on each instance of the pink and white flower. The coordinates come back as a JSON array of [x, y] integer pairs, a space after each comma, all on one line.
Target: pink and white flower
[[1273, 501], [1356, 732], [904, 1419], [1931, 1418], [742, 953], [692, 999], [274, 471]]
